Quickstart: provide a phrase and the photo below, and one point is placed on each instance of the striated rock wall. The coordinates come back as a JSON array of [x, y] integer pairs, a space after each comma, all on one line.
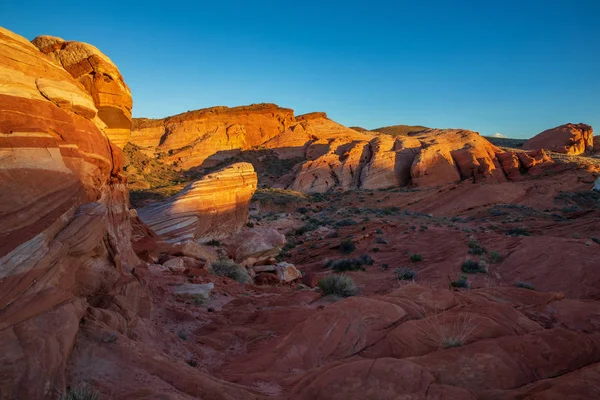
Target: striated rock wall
[[188, 139], [571, 139], [101, 79], [212, 207], [64, 218]]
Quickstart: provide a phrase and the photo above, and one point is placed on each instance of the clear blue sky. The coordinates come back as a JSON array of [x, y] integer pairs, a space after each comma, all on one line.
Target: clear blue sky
[[512, 67]]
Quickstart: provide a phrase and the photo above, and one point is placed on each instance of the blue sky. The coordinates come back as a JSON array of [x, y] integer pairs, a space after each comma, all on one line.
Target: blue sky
[[493, 66]]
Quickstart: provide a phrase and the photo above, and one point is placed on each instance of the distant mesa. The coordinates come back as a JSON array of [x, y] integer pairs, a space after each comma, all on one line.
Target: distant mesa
[[573, 139]]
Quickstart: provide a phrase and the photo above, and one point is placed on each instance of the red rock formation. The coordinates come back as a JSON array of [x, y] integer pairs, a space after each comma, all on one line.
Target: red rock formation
[[213, 207], [64, 221], [101, 79], [569, 139]]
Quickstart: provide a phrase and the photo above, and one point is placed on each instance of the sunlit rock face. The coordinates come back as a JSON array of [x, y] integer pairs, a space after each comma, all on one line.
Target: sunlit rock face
[[64, 218], [432, 157], [571, 139], [212, 207], [101, 79]]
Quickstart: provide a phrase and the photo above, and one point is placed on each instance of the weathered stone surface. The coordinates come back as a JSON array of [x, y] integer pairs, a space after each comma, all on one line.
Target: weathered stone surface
[[101, 79], [64, 222], [287, 272], [212, 207], [175, 265], [194, 289], [569, 139], [597, 185], [255, 246]]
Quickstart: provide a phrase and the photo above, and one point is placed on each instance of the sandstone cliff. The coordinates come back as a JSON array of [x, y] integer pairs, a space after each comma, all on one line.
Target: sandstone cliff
[[328, 155], [213, 207], [101, 79], [64, 220]]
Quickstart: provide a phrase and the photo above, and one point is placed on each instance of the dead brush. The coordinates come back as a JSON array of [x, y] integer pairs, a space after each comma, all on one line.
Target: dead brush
[[443, 335]]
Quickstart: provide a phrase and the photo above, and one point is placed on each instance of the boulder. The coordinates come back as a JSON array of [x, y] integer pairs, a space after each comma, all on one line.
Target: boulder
[[287, 272], [194, 290], [212, 207], [569, 139], [175, 265], [255, 246]]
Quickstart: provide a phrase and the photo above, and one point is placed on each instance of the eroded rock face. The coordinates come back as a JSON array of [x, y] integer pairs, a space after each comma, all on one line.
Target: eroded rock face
[[433, 157], [212, 207], [64, 221], [101, 79], [569, 139]]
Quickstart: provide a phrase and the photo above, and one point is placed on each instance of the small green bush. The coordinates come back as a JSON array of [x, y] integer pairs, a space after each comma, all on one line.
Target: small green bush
[[476, 248], [405, 274], [182, 335], [380, 240], [378, 231], [213, 242], [350, 264], [461, 282], [81, 393], [339, 285], [518, 232], [596, 240], [347, 246], [524, 285], [416, 258], [495, 256], [345, 222], [231, 269], [473, 267]]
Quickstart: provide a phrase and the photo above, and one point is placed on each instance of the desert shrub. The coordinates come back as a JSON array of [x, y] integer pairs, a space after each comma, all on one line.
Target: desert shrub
[[473, 267], [345, 222], [518, 232], [302, 210], [350, 264], [495, 256], [366, 259], [378, 231], [416, 258], [182, 335], [339, 285], [405, 274], [213, 242], [347, 246], [250, 224], [476, 248], [384, 267], [81, 393], [596, 240], [192, 362], [461, 282], [231, 269], [524, 285], [455, 334], [380, 240]]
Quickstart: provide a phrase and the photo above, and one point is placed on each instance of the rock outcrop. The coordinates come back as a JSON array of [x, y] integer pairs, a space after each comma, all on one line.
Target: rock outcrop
[[64, 221], [101, 79], [213, 207], [432, 157], [571, 139]]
